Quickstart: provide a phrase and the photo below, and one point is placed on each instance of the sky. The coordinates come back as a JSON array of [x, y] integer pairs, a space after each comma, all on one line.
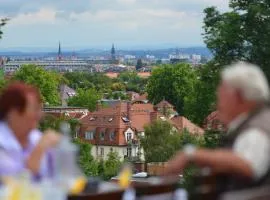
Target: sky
[[99, 23]]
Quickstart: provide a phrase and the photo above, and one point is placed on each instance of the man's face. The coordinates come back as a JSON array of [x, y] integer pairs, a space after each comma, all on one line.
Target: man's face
[[227, 102]]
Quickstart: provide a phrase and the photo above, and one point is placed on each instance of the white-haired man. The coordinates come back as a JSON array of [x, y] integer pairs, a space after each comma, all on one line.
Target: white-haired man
[[242, 98]]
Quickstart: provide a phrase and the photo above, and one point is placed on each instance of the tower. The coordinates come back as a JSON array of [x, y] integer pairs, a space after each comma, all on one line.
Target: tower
[[113, 58], [59, 55]]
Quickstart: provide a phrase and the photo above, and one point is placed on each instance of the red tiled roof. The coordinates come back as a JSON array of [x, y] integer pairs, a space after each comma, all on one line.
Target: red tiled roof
[[112, 74], [108, 118], [140, 115], [143, 97], [212, 116], [183, 123], [163, 104], [144, 74], [213, 122]]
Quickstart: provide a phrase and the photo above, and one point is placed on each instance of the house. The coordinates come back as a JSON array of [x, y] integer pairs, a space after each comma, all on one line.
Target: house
[[212, 122], [141, 99], [119, 127], [66, 93], [133, 95], [109, 129], [165, 108]]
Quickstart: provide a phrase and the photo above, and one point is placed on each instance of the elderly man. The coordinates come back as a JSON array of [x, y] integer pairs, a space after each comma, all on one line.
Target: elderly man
[[242, 96]]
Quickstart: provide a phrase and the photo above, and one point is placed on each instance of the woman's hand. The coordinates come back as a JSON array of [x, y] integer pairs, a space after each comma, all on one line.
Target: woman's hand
[[49, 139]]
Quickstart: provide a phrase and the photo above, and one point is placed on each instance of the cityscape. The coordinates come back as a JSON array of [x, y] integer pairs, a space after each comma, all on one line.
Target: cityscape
[[112, 60], [127, 99]]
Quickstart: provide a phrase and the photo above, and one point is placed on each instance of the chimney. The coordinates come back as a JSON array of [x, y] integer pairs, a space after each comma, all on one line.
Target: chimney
[[99, 105], [128, 109]]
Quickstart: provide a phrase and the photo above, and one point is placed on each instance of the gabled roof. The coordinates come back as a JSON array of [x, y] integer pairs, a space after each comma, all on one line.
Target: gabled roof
[[183, 123], [163, 104]]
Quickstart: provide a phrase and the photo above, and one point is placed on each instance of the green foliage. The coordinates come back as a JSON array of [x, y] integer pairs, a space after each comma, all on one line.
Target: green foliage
[[132, 81], [118, 87], [50, 122], [199, 102], [83, 80], [85, 98], [117, 95], [187, 138], [139, 64], [240, 34], [2, 23], [172, 82], [212, 139], [111, 165], [160, 142], [86, 160], [47, 82]]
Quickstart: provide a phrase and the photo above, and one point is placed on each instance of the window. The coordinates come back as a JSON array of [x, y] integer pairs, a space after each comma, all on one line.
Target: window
[[92, 119], [89, 135], [102, 136], [129, 152], [129, 136], [110, 120], [163, 118], [125, 119], [102, 152], [220, 127], [112, 136]]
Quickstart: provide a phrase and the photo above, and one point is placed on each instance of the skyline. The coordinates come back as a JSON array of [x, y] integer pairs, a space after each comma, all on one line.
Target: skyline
[[92, 24]]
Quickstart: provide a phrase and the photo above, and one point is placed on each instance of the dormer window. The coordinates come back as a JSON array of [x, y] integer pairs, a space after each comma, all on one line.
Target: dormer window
[[110, 120], [92, 119], [125, 119], [163, 118]]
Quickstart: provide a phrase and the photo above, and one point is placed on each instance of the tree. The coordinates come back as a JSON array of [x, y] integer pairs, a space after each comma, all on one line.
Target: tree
[[85, 98], [240, 34], [85, 80], [132, 81], [199, 102], [47, 82], [118, 87], [172, 82], [160, 143], [111, 165], [212, 139], [2, 23], [139, 64], [86, 161]]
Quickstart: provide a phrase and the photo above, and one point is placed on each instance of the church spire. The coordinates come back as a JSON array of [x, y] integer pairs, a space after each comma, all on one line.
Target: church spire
[[113, 53], [59, 56]]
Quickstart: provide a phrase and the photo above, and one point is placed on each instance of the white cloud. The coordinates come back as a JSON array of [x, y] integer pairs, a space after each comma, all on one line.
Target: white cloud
[[126, 1], [44, 15], [104, 21]]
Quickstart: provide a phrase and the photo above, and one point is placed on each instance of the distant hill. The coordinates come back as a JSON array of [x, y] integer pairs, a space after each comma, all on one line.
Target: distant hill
[[159, 53]]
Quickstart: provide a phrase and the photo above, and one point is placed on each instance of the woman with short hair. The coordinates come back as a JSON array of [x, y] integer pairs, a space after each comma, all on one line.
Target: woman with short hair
[[22, 145]]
